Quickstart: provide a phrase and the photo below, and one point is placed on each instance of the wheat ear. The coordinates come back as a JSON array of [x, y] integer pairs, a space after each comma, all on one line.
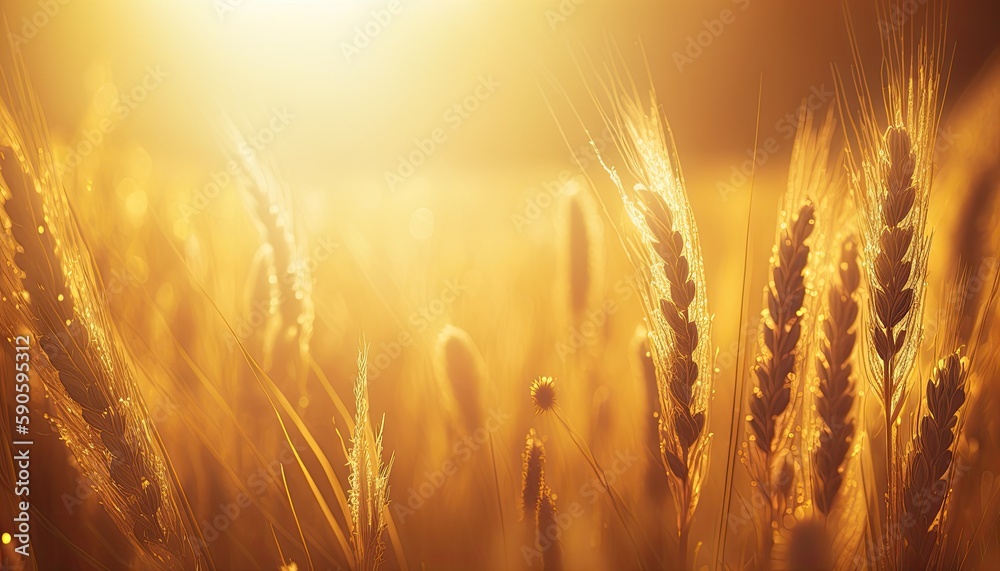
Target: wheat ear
[[776, 366], [581, 257], [892, 168], [665, 249], [686, 421], [925, 482], [369, 479], [461, 367], [532, 471], [548, 531], [89, 375], [290, 278], [835, 399]]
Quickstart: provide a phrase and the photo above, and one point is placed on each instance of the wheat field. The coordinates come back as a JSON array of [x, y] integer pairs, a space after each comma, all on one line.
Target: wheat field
[[439, 285]]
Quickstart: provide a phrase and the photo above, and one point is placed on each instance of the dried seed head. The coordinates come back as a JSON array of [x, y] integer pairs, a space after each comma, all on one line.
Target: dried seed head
[[543, 394]]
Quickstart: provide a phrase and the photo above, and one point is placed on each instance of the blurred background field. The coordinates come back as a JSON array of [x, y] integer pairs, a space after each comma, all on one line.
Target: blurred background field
[[427, 155]]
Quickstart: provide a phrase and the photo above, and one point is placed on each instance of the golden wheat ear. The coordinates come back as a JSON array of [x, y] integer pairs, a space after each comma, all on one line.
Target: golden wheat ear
[[369, 479], [776, 367], [891, 164], [782, 364], [532, 470], [663, 245], [461, 369], [547, 538], [581, 259], [836, 390], [79, 354], [925, 480], [289, 278]]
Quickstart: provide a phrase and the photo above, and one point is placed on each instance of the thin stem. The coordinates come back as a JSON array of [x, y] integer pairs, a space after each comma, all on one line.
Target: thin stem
[[599, 472]]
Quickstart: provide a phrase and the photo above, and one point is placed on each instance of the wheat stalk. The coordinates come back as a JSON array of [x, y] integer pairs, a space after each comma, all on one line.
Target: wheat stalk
[[835, 399], [289, 273], [369, 479], [925, 484], [90, 376]]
